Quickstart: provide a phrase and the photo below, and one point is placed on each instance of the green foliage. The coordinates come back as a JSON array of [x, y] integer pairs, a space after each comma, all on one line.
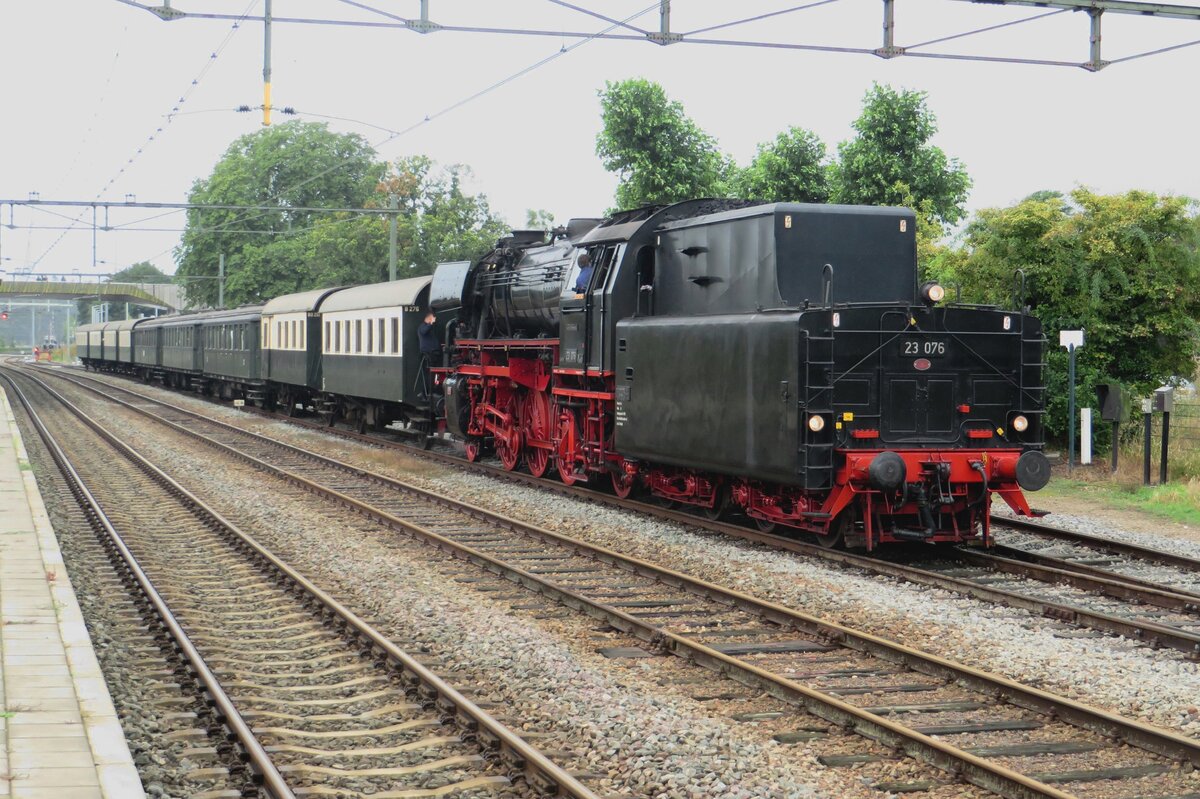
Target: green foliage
[[304, 165], [661, 156], [289, 166], [539, 219], [439, 222], [659, 153], [891, 158], [141, 272], [1124, 268], [790, 169]]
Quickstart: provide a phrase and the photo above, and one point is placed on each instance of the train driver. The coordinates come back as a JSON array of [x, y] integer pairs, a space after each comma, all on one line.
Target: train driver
[[585, 273]]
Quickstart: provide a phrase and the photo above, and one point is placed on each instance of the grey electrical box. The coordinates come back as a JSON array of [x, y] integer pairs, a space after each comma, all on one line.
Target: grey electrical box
[[1114, 402], [1164, 399]]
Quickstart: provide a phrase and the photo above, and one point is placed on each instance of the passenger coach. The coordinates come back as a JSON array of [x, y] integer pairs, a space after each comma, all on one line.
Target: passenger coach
[[291, 349], [371, 371]]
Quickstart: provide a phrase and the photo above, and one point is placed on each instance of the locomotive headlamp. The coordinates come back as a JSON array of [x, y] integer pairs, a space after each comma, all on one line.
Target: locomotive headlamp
[[932, 292], [816, 423], [1020, 424]]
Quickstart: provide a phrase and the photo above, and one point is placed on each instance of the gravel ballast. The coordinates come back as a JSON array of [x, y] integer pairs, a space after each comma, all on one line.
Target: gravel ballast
[[630, 723], [1159, 687]]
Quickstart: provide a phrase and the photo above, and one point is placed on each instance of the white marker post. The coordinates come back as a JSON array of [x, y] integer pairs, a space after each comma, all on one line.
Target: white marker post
[[1085, 436], [1072, 340]]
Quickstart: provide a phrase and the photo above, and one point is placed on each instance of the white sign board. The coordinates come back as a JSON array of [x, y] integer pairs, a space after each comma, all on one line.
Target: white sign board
[[1070, 338]]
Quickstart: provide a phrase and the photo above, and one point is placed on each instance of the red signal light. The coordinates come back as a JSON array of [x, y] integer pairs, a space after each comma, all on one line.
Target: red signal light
[[3, 315]]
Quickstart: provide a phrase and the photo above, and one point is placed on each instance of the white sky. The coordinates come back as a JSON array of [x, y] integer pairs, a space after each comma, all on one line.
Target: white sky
[[86, 82]]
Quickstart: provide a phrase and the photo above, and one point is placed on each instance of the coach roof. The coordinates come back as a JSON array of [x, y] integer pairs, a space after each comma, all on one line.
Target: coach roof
[[305, 301], [378, 295], [241, 314]]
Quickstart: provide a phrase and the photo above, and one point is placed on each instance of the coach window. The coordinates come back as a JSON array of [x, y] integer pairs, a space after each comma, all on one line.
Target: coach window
[[327, 326], [370, 337], [395, 334], [358, 335]]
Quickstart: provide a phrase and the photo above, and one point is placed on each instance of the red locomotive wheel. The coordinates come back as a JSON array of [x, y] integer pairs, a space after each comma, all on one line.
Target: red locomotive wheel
[[623, 483], [568, 444], [836, 539], [508, 438], [538, 426], [472, 450], [720, 504]]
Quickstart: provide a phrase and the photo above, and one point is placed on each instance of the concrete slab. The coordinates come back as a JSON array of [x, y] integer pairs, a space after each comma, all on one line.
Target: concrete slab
[[59, 733]]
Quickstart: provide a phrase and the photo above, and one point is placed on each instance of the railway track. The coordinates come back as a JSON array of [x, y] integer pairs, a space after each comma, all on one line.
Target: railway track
[[317, 701], [1069, 592], [1009, 738], [1103, 557]]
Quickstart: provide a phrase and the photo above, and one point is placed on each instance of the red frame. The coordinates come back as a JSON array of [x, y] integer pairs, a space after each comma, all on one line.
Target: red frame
[[528, 408]]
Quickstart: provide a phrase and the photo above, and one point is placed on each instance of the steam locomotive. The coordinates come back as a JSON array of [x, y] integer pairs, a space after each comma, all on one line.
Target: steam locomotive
[[778, 360]]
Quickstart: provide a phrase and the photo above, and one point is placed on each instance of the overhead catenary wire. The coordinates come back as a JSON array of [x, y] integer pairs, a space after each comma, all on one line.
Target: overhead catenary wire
[[396, 134], [101, 103], [159, 130]]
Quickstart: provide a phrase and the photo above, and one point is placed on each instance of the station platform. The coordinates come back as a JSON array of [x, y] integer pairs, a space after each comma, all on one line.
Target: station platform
[[59, 733]]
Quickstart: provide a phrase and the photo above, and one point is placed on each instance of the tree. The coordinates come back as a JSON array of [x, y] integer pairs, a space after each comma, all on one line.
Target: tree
[[436, 221], [1124, 268], [141, 272], [891, 158], [657, 151], [286, 167], [539, 219], [790, 169], [441, 222]]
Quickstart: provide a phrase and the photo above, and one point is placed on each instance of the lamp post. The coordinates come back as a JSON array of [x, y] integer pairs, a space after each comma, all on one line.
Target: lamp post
[[1072, 340]]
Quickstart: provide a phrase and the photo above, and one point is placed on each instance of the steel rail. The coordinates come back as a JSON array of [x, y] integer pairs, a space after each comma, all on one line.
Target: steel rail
[[1120, 586], [1023, 555], [1151, 633], [1099, 581], [1100, 542], [540, 772], [974, 769], [258, 759]]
